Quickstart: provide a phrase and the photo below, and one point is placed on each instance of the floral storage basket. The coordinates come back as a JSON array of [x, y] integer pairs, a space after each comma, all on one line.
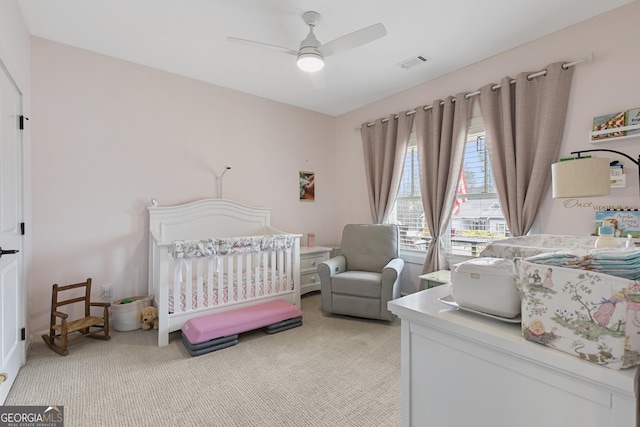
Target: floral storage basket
[[591, 315], [124, 312]]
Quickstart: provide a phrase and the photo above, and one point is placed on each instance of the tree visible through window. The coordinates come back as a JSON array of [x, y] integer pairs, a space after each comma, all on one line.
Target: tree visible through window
[[477, 216]]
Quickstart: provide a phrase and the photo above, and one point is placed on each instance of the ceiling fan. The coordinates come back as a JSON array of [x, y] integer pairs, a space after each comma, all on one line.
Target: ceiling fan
[[311, 53]]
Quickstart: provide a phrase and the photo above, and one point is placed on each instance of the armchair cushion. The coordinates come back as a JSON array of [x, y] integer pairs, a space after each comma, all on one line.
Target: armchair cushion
[[369, 247], [357, 283]]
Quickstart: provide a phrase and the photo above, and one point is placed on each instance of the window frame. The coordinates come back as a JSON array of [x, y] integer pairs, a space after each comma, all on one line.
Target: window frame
[[476, 129]]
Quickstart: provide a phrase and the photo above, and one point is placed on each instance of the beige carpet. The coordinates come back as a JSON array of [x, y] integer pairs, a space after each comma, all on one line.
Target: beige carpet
[[331, 371]]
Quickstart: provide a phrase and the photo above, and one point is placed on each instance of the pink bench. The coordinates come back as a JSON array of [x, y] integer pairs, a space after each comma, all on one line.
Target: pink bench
[[219, 330]]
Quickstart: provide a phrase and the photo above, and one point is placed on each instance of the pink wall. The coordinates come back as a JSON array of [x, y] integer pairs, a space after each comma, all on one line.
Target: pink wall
[[109, 135], [606, 85]]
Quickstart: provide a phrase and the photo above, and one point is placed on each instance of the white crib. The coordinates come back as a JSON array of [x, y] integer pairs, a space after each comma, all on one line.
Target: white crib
[[216, 255]]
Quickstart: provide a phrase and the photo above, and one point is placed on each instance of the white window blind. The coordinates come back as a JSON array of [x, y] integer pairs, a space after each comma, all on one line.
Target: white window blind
[[477, 216]]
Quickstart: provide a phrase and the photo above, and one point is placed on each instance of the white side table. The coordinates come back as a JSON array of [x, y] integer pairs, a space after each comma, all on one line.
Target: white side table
[[310, 257], [437, 278]]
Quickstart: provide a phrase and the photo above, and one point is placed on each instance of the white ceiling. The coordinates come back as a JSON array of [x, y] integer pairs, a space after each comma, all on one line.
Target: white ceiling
[[188, 37]]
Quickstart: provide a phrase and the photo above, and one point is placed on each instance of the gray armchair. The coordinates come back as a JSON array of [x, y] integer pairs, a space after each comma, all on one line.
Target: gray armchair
[[366, 275]]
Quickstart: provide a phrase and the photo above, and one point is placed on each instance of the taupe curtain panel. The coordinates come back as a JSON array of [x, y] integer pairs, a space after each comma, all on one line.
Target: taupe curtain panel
[[524, 125], [385, 147], [441, 132]]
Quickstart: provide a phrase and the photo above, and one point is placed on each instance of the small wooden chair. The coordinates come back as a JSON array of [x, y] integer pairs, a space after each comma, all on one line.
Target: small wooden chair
[[88, 326]]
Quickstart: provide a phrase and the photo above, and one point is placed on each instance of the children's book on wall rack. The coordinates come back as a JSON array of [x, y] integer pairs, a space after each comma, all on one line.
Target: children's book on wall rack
[[616, 126], [623, 221]]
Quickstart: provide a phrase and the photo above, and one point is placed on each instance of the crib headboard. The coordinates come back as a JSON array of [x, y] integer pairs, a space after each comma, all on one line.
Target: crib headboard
[[207, 218]]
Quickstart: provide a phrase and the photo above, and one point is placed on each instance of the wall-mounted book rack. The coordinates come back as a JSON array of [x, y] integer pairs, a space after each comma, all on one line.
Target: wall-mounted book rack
[[632, 131]]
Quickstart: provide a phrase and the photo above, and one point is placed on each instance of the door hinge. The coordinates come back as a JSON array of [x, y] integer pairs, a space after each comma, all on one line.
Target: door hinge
[[22, 119], [23, 334], [22, 228]]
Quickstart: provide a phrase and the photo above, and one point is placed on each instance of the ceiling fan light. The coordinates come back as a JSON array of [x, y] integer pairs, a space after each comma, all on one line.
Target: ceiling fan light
[[310, 62]]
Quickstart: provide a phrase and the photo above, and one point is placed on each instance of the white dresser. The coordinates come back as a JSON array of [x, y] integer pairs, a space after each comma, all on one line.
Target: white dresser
[[310, 257], [463, 369]]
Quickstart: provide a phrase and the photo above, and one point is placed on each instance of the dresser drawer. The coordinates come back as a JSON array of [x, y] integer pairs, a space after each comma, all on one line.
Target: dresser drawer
[[310, 258], [309, 279], [311, 262]]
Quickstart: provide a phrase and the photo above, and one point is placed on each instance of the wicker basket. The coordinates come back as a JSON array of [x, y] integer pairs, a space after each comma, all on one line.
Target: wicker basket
[[124, 317]]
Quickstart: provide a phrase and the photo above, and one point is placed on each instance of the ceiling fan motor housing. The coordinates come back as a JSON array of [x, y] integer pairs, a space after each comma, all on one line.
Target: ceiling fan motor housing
[[310, 58]]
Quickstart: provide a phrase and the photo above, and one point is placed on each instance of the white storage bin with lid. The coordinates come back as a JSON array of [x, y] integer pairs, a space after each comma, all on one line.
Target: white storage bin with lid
[[486, 285]]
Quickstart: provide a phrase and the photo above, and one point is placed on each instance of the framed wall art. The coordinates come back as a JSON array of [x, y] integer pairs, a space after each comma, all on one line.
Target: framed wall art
[[307, 186]]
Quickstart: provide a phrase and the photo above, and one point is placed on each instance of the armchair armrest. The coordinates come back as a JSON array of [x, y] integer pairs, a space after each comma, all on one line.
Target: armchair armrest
[[390, 284], [391, 273], [60, 314], [105, 306], [326, 270], [100, 304], [335, 265], [394, 267]]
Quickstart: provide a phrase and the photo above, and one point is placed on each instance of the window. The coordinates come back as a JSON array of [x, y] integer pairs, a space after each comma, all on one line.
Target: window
[[477, 216]]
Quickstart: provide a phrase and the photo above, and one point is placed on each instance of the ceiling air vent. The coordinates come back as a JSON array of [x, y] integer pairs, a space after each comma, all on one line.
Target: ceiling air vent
[[413, 61]]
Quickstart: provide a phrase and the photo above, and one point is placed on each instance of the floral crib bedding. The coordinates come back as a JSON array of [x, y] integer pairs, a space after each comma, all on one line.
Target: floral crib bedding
[[251, 271], [183, 249]]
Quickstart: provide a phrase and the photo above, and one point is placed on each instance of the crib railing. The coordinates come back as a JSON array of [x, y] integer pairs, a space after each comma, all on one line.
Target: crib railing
[[226, 279]]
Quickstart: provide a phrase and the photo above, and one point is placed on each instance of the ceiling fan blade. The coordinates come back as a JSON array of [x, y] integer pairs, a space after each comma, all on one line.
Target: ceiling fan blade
[[353, 40], [263, 45]]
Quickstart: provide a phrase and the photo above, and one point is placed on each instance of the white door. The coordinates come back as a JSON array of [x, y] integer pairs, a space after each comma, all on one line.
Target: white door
[[12, 293]]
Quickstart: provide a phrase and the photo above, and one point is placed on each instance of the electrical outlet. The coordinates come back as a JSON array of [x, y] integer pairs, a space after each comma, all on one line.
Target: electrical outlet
[[106, 291]]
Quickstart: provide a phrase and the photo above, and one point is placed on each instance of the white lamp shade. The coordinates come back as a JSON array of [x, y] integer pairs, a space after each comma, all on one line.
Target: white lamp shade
[[585, 177], [310, 62]]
